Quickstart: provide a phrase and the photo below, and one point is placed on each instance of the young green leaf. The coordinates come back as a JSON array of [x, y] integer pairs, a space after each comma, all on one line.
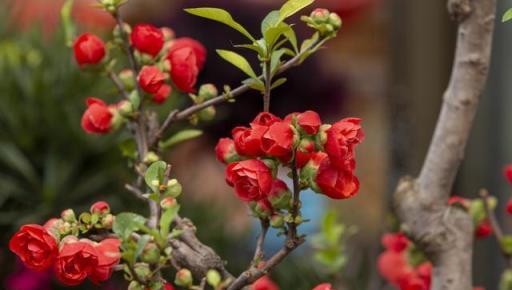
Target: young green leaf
[[278, 82], [126, 223], [292, 38], [181, 136], [275, 59], [221, 16], [141, 243], [271, 20], [255, 84], [273, 33], [507, 15], [67, 22], [165, 221], [238, 61], [155, 174], [291, 7]]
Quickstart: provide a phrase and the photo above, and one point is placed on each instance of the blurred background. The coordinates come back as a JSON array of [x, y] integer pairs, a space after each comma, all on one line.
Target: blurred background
[[389, 65]]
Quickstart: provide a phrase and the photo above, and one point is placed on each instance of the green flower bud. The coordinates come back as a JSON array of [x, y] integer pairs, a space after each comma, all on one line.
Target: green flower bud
[[174, 188], [277, 221], [151, 157], [107, 221], [126, 77], [184, 278], [207, 91], [320, 15], [213, 278], [151, 254], [207, 114], [143, 271], [68, 215], [335, 21]]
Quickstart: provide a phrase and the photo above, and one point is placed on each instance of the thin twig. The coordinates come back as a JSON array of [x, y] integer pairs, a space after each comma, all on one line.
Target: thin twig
[[295, 203], [137, 192], [117, 82], [268, 83], [259, 252]]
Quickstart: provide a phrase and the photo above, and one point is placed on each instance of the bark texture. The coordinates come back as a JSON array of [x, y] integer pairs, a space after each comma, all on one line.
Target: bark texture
[[444, 233]]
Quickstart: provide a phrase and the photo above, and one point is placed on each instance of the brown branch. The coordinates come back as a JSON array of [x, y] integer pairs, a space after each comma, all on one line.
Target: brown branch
[[117, 82], [260, 243], [446, 236]]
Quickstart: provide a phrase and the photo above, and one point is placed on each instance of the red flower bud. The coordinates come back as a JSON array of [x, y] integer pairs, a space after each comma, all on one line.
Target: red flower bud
[[35, 247], [225, 151], [251, 179], [184, 278], [168, 33], [147, 38], [88, 49], [309, 122], [248, 140], [197, 48], [324, 286], [151, 79], [507, 172], [265, 119], [309, 172], [264, 283], [184, 68], [100, 207], [320, 15], [304, 152], [342, 137], [278, 141], [279, 195], [262, 208], [396, 242], [162, 94], [168, 202], [336, 183], [484, 229], [168, 286], [97, 119]]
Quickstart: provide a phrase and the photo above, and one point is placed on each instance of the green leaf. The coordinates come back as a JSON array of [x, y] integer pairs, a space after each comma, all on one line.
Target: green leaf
[[506, 243], [255, 84], [278, 82], [507, 15], [292, 38], [134, 99], [141, 243], [275, 59], [238, 61], [291, 7], [221, 16], [165, 221], [126, 223], [155, 171], [306, 44], [271, 20], [181, 136], [272, 34], [67, 22]]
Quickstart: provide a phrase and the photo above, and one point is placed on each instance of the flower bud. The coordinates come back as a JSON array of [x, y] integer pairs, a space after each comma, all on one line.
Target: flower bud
[[213, 278], [89, 49], [168, 33], [335, 21], [107, 221], [207, 91], [117, 32], [162, 94], [143, 271], [277, 221], [183, 278], [63, 228], [174, 188], [127, 78], [151, 157], [310, 170], [147, 39], [506, 280], [100, 207], [150, 79], [262, 208], [68, 215], [279, 195], [304, 152], [151, 254], [168, 202], [225, 151], [207, 114], [125, 108], [308, 122], [321, 137], [320, 15]]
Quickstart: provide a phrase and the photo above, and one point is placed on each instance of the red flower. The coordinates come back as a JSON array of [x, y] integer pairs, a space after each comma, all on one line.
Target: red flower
[[304, 152], [35, 246], [108, 256], [278, 141], [279, 195], [248, 140], [88, 49], [424, 271], [184, 68], [100, 207], [342, 137], [198, 49], [393, 266], [396, 242], [507, 171], [147, 38], [97, 119], [151, 79], [484, 229], [265, 119], [309, 121], [324, 286], [264, 283], [509, 207], [162, 94], [168, 286], [251, 179], [225, 151], [336, 183], [75, 262]]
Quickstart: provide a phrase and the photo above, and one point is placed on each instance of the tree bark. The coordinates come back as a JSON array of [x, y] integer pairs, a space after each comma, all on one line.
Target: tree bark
[[445, 234]]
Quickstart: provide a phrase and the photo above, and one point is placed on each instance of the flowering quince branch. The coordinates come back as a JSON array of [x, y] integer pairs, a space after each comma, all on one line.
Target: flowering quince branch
[[317, 156], [445, 235]]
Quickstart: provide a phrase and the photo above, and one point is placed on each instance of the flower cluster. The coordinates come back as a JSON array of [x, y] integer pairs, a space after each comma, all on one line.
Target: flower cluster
[[395, 266], [167, 62], [324, 154], [56, 244]]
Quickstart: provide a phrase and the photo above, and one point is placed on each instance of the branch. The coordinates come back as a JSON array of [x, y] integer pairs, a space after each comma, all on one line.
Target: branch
[[259, 252], [446, 236]]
